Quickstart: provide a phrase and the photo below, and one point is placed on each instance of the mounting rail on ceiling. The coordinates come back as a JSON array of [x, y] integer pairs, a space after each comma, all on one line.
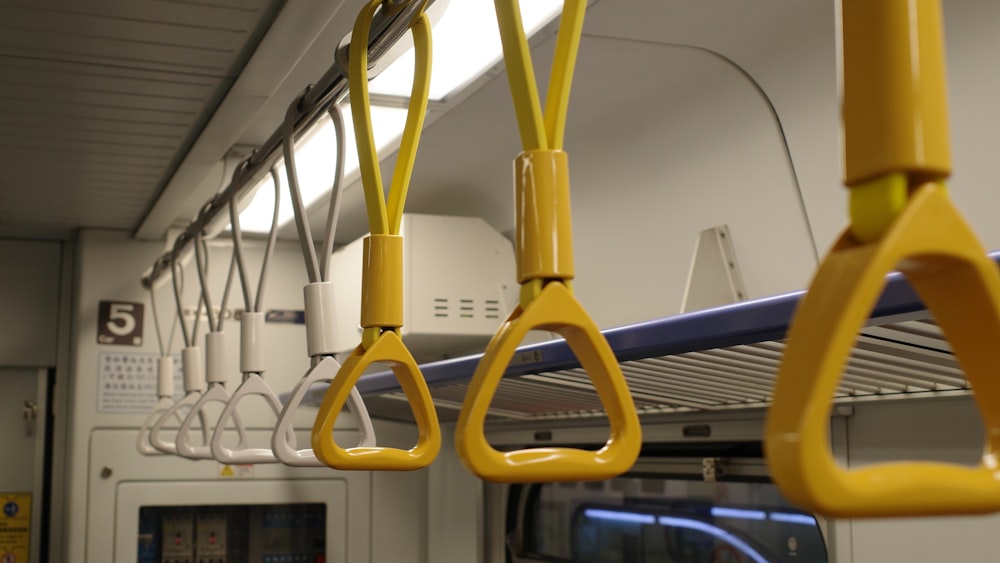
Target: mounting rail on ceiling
[[390, 24]]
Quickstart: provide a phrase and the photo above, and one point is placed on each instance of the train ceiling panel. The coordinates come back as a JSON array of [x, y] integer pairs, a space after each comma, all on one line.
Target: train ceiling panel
[[119, 113], [100, 100]]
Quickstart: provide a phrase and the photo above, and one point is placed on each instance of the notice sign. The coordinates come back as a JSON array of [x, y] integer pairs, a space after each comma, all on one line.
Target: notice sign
[[127, 382], [119, 323], [15, 527]]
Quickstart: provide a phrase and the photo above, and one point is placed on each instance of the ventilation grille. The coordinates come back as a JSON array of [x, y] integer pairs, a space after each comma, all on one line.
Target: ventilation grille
[[907, 359], [446, 308]]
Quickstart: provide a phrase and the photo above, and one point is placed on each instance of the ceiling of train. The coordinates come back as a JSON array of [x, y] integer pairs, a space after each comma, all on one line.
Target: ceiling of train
[[119, 113], [100, 99]]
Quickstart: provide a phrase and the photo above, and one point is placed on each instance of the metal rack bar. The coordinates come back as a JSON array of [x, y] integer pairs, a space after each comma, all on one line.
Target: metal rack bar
[[749, 322], [390, 24]]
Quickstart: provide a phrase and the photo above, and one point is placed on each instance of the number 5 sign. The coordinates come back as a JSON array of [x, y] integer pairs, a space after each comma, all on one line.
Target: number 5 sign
[[119, 323]]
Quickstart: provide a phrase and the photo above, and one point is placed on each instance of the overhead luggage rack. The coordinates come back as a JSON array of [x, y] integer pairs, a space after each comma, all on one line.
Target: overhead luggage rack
[[715, 359]]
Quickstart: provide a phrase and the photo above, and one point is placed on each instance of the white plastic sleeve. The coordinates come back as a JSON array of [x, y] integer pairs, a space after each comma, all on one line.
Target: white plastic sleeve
[[251, 334], [215, 358], [194, 369], [320, 318], [165, 377]]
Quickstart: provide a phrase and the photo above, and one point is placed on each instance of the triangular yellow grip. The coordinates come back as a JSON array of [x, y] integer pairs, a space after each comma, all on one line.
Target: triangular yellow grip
[[945, 263], [554, 309], [387, 349]]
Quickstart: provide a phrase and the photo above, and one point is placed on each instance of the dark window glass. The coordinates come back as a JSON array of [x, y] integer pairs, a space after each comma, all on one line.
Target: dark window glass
[[642, 520]]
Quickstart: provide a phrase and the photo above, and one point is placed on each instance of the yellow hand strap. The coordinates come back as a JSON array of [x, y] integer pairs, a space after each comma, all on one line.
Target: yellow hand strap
[[901, 217], [545, 268], [382, 283], [383, 221], [521, 73]]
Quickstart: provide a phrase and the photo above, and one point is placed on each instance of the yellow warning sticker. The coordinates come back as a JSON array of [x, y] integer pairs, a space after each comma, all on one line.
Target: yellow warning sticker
[[239, 471], [15, 527]]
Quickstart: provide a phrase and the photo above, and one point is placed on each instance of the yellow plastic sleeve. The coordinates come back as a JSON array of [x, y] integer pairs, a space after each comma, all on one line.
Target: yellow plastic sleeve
[[544, 231], [895, 102], [382, 282]]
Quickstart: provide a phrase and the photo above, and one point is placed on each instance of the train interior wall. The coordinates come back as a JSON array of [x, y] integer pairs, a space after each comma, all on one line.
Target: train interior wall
[[715, 133]]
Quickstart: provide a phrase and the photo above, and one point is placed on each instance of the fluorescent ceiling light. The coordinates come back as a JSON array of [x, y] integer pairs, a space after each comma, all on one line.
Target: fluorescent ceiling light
[[466, 43], [315, 157]]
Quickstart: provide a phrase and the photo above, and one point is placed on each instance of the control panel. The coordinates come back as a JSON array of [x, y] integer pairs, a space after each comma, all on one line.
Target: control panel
[[260, 533]]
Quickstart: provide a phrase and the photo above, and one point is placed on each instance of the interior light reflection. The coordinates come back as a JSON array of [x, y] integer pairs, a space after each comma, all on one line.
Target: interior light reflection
[[792, 518], [716, 532], [619, 516], [742, 513]]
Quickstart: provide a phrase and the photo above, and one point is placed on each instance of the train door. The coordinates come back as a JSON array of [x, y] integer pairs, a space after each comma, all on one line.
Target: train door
[[22, 449]]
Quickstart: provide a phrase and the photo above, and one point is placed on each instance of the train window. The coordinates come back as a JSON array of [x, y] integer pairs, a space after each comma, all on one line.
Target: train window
[[643, 519]]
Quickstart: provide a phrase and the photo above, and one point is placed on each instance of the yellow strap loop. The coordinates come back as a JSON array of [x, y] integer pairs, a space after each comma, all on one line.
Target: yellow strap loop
[[387, 349], [940, 256], [382, 294], [381, 221], [901, 218], [545, 267], [556, 310], [536, 132]]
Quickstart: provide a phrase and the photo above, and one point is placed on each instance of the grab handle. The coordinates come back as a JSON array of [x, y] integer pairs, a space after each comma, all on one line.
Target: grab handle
[[216, 393], [545, 268], [382, 269], [284, 442], [143, 441], [897, 153], [175, 411], [253, 384], [544, 248], [940, 256], [387, 349], [554, 309]]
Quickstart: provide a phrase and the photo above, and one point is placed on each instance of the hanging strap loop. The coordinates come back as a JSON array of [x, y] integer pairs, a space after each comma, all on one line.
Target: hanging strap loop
[[251, 339], [545, 269], [164, 385], [216, 368], [382, 305], [901, 217], [319, 303], [193, 377]]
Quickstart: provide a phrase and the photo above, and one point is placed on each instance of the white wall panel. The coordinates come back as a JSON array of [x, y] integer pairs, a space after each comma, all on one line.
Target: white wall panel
[[657, 155], [109, 265], [29, 302], [939, 430]]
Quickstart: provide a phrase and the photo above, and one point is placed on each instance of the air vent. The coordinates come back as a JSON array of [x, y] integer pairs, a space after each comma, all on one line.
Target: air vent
[[466, 308], [441, 308], [492, 309]]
